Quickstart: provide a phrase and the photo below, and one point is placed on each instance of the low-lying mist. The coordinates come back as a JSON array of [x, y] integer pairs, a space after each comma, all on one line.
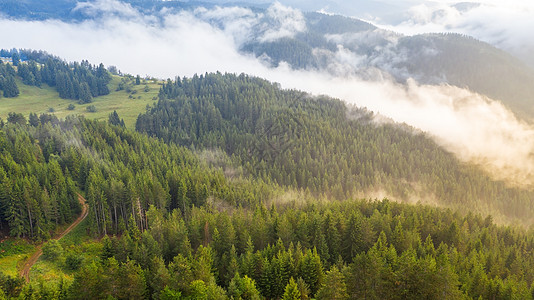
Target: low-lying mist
[[476, 129]]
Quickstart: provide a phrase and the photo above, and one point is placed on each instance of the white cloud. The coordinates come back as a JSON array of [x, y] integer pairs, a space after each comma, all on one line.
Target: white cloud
[[504, 24], [286, 22], [107, 8]]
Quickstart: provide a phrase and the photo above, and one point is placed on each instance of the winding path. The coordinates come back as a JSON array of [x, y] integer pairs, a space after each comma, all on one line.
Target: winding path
[[25, 272]]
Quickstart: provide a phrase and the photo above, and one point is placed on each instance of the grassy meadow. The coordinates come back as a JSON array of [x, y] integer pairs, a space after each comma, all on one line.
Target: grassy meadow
[[128, 102]]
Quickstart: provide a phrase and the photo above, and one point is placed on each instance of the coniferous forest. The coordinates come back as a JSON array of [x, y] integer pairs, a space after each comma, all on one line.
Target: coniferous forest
[[233, 188]]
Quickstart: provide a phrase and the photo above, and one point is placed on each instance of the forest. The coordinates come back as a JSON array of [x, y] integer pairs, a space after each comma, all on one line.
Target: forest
[[77, 81], [233, 188], [321, 145]]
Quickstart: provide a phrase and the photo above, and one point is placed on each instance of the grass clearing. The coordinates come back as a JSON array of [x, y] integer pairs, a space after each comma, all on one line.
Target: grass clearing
[[128, 104], [12, 253], [53, 271]]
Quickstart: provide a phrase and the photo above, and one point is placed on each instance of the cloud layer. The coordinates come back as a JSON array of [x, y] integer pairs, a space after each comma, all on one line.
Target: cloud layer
[[503, 24], [475, 128]]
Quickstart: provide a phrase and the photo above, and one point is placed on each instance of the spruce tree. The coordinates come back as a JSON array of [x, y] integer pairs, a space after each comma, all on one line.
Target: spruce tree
[[10, 87]]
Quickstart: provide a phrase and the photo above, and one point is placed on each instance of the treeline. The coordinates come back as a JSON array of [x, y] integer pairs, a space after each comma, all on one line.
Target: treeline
[[44, 162], [8, 86], [77, 81], [335, 250], [321, 145]]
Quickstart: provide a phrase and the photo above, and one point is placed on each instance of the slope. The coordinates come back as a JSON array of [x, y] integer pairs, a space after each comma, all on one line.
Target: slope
[[128, 103], [321, 145], [338, 45]]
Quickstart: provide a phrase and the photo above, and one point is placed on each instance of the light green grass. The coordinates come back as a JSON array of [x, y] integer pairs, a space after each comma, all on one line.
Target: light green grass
[[76, 241], [77, 236], [40, 100], [9, 264], [12, 253], [53, 271]]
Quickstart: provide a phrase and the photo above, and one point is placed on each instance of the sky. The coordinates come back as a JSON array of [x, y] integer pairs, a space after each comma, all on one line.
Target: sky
[[475, 128]]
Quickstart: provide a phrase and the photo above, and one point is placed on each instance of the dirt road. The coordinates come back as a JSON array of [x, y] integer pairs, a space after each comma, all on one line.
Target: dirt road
[[25, 272]]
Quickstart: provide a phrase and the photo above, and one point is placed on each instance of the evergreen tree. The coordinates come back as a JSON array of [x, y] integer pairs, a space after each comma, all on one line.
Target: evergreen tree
[[10, 87], [15, 58], [291, 291]]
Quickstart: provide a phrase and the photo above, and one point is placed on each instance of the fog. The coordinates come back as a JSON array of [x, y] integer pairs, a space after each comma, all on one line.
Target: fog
[[473, 127], [503, 24]]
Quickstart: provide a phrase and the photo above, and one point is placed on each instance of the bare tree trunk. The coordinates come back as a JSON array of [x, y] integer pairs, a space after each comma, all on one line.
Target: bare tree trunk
[[103, 217], [97, 220], [116, 221], [30, 217]]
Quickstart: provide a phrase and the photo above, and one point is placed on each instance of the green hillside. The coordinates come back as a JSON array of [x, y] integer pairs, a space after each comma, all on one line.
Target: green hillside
[[318, 144]]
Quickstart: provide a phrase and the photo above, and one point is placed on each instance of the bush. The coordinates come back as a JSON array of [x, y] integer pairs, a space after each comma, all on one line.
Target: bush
[[51, 109], [71, 107], [52, 250], [91, 108], [73, 261]]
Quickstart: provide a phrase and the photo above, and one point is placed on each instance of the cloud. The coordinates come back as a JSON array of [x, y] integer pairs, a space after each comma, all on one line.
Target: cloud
[[473, 127], [501, 23], [286, 22], [107, 8]]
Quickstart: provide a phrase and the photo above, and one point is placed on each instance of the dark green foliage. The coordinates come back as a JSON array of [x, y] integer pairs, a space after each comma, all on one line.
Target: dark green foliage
[[71, 107], [15, 59], [9, 86], [486, 260], [16, 118], [45, 163], [77, 81], [73, 261], [321, 145], [114, 119]]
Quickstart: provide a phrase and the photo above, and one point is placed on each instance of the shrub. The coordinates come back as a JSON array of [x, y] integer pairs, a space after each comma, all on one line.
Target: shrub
[[73, 261], [52, 250]]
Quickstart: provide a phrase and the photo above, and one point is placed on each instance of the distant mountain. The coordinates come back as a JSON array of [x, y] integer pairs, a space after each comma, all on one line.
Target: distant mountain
[[343, 46]]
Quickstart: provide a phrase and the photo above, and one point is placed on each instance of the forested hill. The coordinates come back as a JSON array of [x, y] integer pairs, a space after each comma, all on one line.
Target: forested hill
[[174, 214], [321, 145], [45, 162]]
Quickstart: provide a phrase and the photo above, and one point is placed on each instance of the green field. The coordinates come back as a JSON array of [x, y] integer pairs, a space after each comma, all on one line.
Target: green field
[[12, 253], [41, 100]]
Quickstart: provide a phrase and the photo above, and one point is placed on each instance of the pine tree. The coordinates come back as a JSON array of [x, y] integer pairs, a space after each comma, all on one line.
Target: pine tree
[[15, 58], [10, 87], [291, 291], [334, 286]]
